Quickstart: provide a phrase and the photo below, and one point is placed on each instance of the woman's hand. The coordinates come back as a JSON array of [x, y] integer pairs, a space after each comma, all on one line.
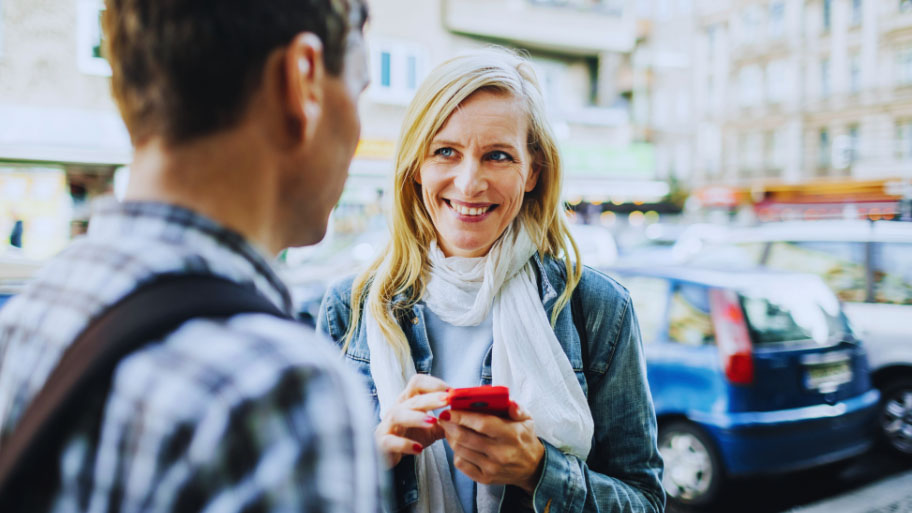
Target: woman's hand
[[408, 427], [492, 450]]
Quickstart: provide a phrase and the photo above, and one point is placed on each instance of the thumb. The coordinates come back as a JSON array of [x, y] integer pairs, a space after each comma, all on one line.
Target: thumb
[[517, 412]]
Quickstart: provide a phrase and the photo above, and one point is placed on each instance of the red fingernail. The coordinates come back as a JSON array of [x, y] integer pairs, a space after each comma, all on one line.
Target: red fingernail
[[417, 448], [430, 420], [445, 415]]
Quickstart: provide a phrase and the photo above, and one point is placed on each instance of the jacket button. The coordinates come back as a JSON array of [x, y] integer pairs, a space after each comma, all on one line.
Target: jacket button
[[414, 320]]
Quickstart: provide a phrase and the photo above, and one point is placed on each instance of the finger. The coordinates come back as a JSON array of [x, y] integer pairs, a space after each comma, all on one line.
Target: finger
[[464, 438], [483, 423], [427, 402], [399, 445], [401, 417], [518, 413], [468, 468], [423, 384]]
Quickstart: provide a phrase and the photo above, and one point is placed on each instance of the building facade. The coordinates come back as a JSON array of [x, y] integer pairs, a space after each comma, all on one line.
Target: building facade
[[789, 90]]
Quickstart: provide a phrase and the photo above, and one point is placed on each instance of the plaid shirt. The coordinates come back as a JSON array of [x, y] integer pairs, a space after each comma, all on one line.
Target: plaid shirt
[[251, 413]]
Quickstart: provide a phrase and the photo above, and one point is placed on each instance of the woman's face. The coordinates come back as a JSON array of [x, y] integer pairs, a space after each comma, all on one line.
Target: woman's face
[[476, 172]]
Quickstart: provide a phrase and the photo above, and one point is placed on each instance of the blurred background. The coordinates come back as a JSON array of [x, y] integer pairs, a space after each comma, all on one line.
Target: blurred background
[[771, 135]]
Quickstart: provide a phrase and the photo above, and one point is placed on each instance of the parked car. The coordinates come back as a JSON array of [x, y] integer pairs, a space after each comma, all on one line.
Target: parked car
[[869, 267], [752, 372]]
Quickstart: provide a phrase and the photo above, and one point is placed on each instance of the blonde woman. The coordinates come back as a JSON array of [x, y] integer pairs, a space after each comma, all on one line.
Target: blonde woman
[[477, 286]]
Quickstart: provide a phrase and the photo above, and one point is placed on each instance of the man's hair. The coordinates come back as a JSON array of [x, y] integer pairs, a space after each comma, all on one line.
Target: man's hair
[[187, 68]]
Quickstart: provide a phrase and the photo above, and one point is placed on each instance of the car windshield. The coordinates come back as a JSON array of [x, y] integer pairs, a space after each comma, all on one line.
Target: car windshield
[[778, 315]]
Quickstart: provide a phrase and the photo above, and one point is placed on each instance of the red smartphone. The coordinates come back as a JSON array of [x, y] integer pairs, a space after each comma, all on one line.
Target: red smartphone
[[483, 399]]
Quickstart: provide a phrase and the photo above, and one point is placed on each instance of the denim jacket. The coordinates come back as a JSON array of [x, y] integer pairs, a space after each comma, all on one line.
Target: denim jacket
[[623, 472]]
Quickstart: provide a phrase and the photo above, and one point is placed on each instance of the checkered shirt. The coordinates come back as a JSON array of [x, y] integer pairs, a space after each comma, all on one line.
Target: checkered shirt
[[252, 413]]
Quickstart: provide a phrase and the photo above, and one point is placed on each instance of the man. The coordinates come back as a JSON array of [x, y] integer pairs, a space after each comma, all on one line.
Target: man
[[244, 121]]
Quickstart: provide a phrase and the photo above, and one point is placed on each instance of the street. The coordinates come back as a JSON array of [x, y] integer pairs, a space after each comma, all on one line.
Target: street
[[791, 492]]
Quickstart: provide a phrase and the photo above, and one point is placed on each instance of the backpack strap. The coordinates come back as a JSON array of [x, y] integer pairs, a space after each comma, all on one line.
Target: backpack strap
[[87, 366], [576, 306]]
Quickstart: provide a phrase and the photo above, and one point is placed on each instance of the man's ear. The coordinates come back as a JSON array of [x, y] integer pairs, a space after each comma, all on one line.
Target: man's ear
[[304, 75]]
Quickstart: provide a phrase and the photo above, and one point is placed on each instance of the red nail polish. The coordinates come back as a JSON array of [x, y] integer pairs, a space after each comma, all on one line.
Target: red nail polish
[[445, 415], [417, 448], [430, 420]]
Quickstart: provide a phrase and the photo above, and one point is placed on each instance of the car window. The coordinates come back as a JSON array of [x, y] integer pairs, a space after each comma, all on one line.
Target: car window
[[806, 312], [650, 300], [840, 264], [689, 319], [892, 268]]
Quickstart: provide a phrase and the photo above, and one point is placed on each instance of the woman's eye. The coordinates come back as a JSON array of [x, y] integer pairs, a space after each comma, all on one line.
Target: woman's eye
[[444, 152], [500, 156]]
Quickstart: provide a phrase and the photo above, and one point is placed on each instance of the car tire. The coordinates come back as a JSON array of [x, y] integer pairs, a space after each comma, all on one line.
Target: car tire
[[895, 416], [693, 469]]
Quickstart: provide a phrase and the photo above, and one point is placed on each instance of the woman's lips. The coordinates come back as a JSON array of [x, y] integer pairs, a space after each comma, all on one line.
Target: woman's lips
[[470, 212]]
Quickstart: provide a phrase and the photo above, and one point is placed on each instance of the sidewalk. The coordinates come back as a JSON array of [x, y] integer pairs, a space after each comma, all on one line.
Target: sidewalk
[[893, 495]]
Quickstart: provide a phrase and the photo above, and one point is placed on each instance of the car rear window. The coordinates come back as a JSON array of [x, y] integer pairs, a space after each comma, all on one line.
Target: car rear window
[[802, 312], [893, 273]]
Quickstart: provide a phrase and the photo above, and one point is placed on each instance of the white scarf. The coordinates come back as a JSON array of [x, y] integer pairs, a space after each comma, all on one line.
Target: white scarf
[[526, 356]]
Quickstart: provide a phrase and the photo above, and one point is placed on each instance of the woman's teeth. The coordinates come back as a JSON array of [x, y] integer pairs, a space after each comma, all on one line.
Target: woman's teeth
[[469, 211]]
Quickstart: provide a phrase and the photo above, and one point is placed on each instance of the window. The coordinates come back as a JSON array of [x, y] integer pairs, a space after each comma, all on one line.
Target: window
[[776, 82], [397, 68], [750, 85], [855, 74], [827, 14], [823, 148], [825, 78], [854, 146], [904, 66], [89, 38], [385, 65], [905, 5], [776, 155], [751, 24], [689, 319], [892, 272], [809, 312], [904, 139], [856, 12], [777, 19], [650, 300], [840, 264]]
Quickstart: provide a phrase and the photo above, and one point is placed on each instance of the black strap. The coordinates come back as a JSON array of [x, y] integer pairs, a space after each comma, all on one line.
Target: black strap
[[86, 368], [576, 306]]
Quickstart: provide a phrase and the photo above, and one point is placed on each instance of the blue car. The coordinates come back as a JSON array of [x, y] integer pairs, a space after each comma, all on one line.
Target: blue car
[[752, 372]]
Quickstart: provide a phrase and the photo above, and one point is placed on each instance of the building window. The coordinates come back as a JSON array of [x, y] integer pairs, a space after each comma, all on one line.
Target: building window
[[776, 81], [904, 139], [856, 12], [827, 14], [750, 85], [397, 68], [823, 148], [825, 78], [90, 39], [855, 73], [752, 24], [905, 5], [777, 19], [904, 66], [854, 146]]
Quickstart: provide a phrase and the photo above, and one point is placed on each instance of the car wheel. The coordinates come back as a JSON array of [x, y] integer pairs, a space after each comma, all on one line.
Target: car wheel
[[693, 470], [896, 415]]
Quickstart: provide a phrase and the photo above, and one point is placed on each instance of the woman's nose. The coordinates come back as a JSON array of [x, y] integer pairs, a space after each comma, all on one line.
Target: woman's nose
[[470, 178]]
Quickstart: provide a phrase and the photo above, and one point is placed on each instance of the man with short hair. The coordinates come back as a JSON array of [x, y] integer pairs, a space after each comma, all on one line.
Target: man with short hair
[[243, 116]]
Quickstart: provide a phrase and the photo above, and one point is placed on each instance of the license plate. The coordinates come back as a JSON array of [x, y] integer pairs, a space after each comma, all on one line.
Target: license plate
[[828, 375]]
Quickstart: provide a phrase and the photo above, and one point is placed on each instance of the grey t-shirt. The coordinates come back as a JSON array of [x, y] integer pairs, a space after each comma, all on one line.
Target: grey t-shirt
[[459, 353]]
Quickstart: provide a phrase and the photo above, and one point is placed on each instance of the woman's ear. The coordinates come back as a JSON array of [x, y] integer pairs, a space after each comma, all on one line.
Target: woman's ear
[[532, 179], [304, 83]]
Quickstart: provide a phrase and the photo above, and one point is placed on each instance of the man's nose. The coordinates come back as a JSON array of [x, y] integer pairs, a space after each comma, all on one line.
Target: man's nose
[[470, 179]]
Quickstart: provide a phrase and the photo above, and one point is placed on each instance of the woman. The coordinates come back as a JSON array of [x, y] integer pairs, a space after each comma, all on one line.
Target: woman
[[477, 286]]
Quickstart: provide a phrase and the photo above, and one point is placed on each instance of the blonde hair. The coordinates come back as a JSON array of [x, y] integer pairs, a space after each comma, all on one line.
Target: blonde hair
[[402, 267]]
